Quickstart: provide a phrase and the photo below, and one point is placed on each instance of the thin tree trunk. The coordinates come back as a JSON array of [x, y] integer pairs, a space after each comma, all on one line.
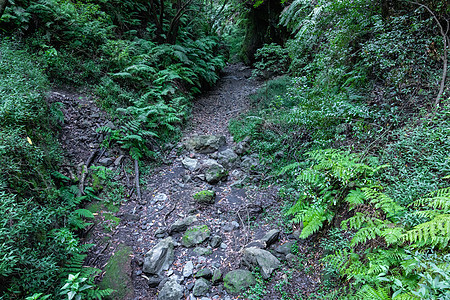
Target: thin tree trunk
[[3, 4]]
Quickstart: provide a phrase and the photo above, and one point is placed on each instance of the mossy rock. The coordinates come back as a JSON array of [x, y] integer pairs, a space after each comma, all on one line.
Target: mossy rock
[[196, 235], [238, 281], [205, 197], [117, 274]]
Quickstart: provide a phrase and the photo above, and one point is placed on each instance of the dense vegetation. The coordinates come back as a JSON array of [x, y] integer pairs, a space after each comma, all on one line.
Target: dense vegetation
[[144, 60], [364, 90], [354, 127]]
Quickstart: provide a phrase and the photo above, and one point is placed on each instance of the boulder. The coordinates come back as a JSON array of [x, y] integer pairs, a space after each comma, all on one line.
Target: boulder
[[195, 235], [262, 259], [182, 225], [249, 162], [205, 143], [160, 197], [202, 251], [171, 290], [271, 237], [243, 146], [227, 158], [190, 164], [217, 276], [188, 269], [159, 258], [205, 197], [214, 172], [238, 281], [215, 242], [201, 287], [204, 273]]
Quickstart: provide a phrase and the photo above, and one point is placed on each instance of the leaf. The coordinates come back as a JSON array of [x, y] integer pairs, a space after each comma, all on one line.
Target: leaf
[[29, 141]]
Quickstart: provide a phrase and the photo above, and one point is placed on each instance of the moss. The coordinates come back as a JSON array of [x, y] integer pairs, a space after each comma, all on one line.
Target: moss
[[205, 196], [192, 237], [117, 274]]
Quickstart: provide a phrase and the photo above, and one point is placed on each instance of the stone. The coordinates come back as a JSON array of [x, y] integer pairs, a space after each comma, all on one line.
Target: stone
[[182, 225], [190, 163], [205, 197], [161, 232], [263, 260], [154, 280], [217, 276], [171, 290], [214, 172], [256, 244], [215, 242], [238, 281], [202, 251], [195, 235], [292, 260], [160, 197], [188, 269], [227, 158], [118, 160], [201, 287], [271, 237], [286, 248], [243, 146], [249, 163], [235, 224], [205, 143], [159, 258], [204, 273], [106, 161]]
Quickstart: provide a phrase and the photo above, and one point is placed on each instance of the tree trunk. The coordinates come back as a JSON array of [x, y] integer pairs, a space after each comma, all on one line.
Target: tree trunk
[[2, 6]]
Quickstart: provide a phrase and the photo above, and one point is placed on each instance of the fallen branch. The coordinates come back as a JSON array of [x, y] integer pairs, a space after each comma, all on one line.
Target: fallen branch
[[84, 172], [136, 179]]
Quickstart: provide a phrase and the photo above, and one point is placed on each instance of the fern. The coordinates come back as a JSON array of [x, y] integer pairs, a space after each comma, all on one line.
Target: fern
[[368, 292]]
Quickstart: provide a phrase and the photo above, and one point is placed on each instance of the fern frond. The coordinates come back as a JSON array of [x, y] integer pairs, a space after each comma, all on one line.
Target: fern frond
[[435, 232], [368, 292]]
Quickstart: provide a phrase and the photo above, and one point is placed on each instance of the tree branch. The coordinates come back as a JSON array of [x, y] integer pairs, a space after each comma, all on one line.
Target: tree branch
[[446, 40]]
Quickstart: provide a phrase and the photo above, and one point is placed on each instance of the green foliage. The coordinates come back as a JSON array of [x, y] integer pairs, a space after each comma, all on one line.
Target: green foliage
[[335, 177], [271, 60]]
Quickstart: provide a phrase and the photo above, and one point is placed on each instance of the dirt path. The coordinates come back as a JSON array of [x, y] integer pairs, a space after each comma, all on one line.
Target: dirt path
[[240, 215]]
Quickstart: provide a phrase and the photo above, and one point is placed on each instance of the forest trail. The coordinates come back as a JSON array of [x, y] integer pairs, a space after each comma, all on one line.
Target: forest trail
[[238, 217]]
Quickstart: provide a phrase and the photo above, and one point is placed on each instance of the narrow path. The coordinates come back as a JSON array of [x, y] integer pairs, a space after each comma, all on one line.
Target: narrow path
[[240, 215]]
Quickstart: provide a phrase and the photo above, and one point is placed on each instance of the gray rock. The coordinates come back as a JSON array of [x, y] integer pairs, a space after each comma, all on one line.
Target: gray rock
[[160, 197], [190, 163], [171, 290], [216, 240], [160, 257], [201, 287], [154, 281], [204, 273], [118, 160], [249, 162], [205, 143], [256, 244], [188, 269], [106, 161], [262, 259], [227, 158], [235, 224], [285, 249], [223, 246], [292, 260], [238, 281], [217, 276], [214, 172], [182, 225], [161, 232], [195, 235], [202, 251], [243, 146], [271, 237]]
